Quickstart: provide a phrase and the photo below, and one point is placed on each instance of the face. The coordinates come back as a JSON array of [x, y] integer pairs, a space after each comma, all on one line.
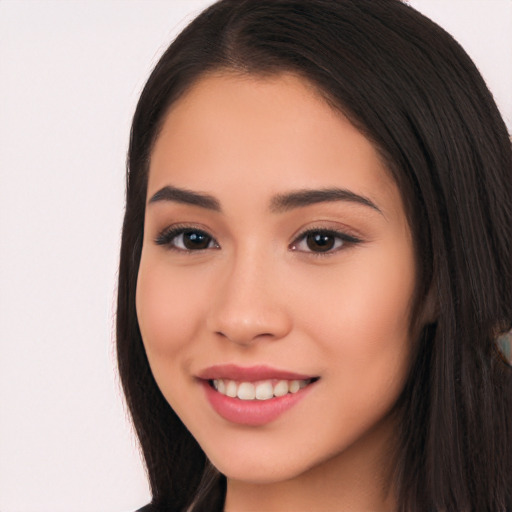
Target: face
[[276, 279]]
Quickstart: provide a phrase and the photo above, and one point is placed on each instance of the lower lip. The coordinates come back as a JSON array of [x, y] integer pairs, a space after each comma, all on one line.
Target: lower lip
[[252, 412]]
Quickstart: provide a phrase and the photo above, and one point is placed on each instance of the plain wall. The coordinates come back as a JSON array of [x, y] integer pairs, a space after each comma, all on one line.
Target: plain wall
[[70, 75]]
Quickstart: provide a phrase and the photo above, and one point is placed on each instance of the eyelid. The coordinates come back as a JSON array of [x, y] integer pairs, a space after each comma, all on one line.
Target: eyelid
[[168, 234], [347, 239]]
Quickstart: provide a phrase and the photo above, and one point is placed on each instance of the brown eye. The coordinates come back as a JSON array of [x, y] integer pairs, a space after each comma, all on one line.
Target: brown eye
[[320, 242], [183, 239], [195, 240]]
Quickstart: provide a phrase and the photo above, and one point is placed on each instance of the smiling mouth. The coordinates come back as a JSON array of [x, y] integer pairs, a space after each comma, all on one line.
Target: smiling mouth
[[261, 390], [254, 396]]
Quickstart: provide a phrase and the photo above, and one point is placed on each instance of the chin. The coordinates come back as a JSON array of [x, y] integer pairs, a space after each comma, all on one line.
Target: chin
[[259, 474], [260, 468]]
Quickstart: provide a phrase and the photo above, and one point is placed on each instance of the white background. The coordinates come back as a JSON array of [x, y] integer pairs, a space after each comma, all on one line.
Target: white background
[[70, 75]]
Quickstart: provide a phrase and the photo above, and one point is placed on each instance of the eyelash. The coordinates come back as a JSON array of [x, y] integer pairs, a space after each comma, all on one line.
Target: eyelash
[[168, 238], [343, 239]]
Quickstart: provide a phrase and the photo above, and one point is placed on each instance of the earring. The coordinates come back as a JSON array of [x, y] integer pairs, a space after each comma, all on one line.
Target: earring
[[504, 345]]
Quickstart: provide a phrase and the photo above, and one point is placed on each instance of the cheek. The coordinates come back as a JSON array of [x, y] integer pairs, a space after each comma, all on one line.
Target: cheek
[[167, 317], [365, 318]]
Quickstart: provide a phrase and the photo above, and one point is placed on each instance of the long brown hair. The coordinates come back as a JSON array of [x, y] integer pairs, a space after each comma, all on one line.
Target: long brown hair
[[413, 91]]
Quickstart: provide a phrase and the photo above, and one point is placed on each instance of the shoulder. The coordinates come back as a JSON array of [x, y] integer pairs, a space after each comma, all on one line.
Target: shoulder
[[150, 507], [146, 508]]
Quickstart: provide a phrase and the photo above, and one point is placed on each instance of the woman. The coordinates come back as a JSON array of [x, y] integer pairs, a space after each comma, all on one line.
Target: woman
[[315, 265]]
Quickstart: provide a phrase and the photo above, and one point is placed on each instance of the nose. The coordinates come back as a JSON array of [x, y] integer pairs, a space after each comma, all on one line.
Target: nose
[[249, 303]]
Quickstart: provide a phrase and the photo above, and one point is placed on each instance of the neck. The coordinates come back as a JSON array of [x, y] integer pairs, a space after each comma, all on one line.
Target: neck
[[356, 480]]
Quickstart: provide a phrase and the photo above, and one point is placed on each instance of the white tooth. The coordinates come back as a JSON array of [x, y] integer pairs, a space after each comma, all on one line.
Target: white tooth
[[294, 386], [281, 388], [215, 384], [303, 383], [231, 388], [221, 387], [264, 390], [246, 391]]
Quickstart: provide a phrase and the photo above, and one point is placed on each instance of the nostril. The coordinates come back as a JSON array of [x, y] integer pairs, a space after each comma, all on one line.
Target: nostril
[[244, 321]]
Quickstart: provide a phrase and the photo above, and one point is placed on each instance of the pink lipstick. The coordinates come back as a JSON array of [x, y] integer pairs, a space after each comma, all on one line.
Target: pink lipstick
[[254, 395]]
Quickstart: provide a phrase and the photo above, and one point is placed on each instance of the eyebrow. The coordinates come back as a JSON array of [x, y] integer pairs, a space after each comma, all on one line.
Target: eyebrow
[[180, 195], [302, 198], [279, 204]]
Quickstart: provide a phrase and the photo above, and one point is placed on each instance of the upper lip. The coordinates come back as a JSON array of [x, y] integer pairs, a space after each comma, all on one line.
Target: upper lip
[[249, 373]]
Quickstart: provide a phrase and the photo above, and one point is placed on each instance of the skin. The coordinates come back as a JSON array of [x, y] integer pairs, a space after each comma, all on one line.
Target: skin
[[258, 294]]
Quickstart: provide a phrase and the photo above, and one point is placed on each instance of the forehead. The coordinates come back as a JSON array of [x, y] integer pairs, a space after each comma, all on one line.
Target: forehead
[[264, 134]]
